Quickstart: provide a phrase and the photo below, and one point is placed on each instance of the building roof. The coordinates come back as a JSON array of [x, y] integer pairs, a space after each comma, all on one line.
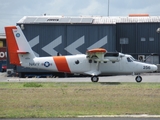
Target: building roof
[[2, 36], [88, 19]]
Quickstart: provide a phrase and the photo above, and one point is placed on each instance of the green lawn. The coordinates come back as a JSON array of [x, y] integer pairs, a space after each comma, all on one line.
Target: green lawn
[[32, 100]]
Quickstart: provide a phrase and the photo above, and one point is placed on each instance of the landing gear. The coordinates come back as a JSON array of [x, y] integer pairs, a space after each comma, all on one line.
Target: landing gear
[[94, 78], [138, 79]]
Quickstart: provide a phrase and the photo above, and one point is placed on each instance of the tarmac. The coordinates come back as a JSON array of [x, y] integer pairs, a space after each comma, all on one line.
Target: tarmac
[[146, 77]]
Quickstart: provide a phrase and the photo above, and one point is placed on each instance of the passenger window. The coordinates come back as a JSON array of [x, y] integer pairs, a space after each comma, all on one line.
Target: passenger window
[[90, 61], [129, 60]]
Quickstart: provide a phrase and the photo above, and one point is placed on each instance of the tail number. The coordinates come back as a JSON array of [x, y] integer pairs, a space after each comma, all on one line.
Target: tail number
[[146, 67]]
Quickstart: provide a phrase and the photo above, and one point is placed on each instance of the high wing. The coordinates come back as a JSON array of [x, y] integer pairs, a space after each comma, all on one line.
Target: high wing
[[101, 55], [96, 54]]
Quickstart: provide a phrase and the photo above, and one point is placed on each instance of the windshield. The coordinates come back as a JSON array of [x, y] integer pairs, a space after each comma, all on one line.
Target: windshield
[[130, 59]]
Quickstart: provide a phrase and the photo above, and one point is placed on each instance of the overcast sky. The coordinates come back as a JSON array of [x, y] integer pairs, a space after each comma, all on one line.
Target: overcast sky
[[11, 11]]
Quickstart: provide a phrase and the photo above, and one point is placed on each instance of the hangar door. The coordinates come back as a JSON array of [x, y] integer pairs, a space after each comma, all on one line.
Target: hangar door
[[69, 39]]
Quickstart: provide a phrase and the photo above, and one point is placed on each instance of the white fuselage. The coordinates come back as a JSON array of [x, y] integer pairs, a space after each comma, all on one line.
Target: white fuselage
[[80, 64]]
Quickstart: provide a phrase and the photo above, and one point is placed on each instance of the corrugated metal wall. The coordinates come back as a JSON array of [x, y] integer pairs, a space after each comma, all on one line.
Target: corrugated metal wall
[[143, 38], [148, 32], [126, 31], [61, 37]]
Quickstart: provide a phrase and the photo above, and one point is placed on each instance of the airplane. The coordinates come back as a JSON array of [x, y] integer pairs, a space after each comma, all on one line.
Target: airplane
[[94, 63]]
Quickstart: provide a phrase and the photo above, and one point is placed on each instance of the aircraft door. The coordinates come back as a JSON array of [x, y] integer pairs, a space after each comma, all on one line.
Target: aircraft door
[[93, 65], [131, 64], [127, 65]]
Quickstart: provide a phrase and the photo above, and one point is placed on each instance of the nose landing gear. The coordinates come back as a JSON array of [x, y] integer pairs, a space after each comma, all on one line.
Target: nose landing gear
[[94, 78], [138, 79]]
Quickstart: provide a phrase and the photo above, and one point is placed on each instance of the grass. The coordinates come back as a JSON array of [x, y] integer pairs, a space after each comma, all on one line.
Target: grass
[[34, 100], [32, 84]]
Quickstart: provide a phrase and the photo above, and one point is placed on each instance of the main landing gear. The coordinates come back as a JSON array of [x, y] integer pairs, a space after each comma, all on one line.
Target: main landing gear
[[138, 79], [94, 78]]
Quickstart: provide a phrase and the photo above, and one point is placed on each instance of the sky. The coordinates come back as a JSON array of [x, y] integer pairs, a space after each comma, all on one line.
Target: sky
[[11, 11]]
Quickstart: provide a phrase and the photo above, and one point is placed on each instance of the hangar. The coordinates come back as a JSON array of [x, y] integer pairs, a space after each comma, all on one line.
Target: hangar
[[3, 53], [52, 35]]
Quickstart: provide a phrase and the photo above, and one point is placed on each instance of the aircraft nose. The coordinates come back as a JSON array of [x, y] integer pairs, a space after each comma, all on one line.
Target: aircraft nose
[[154, 68]]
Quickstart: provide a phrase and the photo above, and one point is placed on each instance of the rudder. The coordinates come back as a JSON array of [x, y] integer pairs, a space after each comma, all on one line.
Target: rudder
[[12, 45]]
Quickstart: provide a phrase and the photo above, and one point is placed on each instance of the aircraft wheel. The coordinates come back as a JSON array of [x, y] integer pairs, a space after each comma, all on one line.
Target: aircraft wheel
[[138, 79], [94, 78]]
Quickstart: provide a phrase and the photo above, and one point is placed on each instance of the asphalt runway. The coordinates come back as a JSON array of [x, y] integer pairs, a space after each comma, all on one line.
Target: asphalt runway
[[150, 77]]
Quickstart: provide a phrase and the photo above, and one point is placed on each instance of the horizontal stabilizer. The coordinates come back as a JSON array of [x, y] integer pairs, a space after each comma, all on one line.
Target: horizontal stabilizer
[[22, 52]]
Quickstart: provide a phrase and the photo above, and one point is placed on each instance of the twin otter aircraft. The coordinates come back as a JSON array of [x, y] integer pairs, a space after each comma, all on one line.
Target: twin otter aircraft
[[95, 62]]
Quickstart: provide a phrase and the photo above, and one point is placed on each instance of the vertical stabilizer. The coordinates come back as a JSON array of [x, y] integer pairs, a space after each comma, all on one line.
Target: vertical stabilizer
[[12, 45], [18, 46]]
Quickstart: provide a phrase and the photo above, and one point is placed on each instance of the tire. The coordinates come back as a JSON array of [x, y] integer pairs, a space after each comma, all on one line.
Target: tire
[[138, 79], [94, 78], [22, 75]]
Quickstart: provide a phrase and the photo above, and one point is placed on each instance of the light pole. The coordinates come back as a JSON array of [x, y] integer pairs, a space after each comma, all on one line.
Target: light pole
[[108, 8], [158, 30]]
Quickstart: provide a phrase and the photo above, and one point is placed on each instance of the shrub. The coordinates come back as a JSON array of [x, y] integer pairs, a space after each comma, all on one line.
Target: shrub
[[32, 84]]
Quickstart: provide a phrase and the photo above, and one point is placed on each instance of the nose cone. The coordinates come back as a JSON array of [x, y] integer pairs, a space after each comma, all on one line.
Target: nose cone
[[154, 68]]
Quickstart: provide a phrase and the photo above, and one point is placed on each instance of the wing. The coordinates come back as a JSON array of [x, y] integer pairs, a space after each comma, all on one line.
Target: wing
[[96, 54], [101, 55]]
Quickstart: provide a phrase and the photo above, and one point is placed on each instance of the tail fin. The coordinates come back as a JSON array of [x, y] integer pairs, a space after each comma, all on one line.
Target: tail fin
[[18, 46]]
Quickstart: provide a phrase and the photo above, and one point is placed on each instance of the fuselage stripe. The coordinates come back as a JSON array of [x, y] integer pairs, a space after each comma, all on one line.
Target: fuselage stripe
[[61, 64]]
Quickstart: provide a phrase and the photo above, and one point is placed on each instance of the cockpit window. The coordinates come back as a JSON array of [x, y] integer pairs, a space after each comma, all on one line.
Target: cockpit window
[[132, 59], [129, 59]]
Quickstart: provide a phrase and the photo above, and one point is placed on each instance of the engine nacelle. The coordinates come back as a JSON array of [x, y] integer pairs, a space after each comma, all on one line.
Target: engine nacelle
[[113, 57]]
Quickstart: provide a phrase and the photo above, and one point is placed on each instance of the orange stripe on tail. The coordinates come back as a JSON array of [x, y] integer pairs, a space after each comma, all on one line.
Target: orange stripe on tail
[[12, 45], [61, 64]]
